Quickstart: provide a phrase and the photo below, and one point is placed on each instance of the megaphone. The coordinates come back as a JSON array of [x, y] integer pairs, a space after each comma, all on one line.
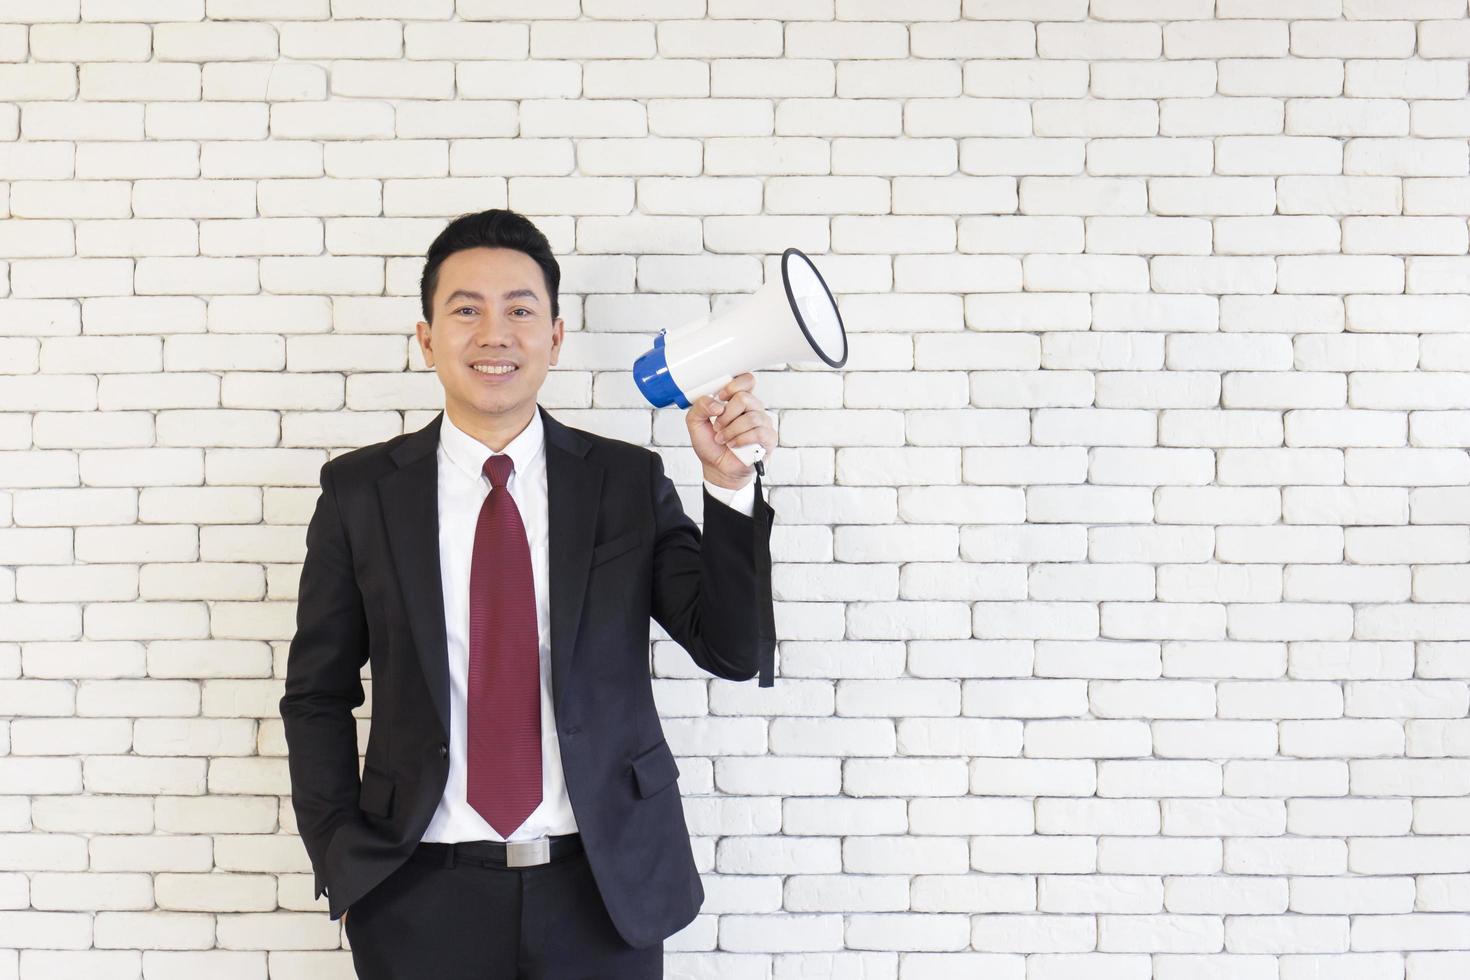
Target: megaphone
[[791, 319]]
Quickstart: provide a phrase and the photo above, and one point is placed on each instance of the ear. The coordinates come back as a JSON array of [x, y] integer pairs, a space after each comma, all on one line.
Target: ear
[[424, 333], [558, 332]]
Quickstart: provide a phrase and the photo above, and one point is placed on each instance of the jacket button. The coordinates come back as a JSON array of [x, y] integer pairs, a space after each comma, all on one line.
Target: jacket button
[[443, 750], [572, 730]]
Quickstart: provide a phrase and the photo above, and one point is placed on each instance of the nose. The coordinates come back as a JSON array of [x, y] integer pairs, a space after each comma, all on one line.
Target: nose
[[494, 331]]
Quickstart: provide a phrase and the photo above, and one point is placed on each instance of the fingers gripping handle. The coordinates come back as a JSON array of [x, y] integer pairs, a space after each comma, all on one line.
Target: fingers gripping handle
[[749, 455]]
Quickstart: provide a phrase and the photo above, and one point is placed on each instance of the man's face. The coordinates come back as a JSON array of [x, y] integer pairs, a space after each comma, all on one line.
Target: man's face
[[491, 308]]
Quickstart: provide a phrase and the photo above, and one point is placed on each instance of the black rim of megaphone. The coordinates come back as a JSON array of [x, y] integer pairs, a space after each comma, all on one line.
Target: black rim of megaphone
[[796, 310]]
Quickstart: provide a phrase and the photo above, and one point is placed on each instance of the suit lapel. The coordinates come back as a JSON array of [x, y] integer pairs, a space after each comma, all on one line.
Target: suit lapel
[[410, 500], [574, 495], [409, 496]]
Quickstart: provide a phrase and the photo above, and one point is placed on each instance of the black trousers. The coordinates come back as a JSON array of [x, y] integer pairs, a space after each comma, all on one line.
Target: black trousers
[[473, 922]]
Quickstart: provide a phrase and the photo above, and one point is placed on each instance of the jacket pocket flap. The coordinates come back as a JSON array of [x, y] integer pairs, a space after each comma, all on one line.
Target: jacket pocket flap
[[376, 796], [616, 546], [654, 769]]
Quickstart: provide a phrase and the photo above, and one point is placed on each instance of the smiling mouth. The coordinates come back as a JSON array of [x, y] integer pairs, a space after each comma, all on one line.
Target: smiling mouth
[[494, 371]]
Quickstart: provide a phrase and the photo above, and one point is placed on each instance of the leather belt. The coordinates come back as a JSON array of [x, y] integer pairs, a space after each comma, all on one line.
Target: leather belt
[[500, 854]]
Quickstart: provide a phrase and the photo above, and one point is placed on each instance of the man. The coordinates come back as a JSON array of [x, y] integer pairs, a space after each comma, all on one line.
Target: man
[[517, 814]]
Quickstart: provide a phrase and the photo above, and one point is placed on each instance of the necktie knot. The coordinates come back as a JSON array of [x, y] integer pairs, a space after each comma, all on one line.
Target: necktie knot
[[498, 468]]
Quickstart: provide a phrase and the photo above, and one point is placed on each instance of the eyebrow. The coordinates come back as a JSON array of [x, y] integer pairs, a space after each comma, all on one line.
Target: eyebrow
[[480, 298]]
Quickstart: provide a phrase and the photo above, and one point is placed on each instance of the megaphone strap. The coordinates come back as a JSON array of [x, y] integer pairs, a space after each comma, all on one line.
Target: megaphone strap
[[765, 632]]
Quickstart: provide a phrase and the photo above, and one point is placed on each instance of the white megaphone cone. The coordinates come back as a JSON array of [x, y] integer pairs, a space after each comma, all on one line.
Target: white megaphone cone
[[791, 319]]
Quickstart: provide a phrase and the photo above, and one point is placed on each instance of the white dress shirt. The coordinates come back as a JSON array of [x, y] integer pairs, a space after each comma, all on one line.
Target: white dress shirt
[[462, 491]]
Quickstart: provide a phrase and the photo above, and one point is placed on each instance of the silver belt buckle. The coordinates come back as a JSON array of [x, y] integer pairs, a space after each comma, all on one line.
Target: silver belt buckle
[[527, 853]]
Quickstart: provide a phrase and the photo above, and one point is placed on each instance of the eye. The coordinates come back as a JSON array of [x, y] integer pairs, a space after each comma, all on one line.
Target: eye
[[463, 308], [522, 309]]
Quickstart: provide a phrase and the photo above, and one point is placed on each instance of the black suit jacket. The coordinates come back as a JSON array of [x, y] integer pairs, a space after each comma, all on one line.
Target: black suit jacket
[[621, 549]]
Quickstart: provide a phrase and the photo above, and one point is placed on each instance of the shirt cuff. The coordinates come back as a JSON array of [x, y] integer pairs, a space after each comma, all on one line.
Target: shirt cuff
[[742, 500]]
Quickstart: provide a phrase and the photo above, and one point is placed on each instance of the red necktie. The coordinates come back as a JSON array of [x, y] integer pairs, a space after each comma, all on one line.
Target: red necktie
[[503, 713]]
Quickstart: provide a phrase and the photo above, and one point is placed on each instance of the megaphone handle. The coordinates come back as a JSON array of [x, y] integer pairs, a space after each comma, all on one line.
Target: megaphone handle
[[751, 454]]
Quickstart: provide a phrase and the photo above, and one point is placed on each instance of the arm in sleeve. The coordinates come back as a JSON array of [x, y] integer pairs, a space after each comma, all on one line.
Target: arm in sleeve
[[742, 501], [711, 590], [323, 682]]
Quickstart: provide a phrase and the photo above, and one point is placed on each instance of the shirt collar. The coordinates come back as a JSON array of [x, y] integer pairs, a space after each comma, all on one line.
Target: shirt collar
[[469, 453]]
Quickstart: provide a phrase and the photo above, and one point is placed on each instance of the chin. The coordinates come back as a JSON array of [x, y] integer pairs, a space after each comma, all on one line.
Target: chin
[[497, 402], [493, 406]]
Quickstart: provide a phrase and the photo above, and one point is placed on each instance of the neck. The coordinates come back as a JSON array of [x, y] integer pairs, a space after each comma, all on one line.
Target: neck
[[495, 431]]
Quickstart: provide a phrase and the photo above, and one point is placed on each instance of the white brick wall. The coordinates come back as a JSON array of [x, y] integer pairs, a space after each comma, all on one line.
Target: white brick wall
[[1121, 577]]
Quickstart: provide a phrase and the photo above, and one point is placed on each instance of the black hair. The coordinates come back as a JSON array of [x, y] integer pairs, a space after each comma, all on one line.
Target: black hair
[[495, 228]]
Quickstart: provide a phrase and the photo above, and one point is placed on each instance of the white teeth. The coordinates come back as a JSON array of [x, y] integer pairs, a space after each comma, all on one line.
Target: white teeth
[[493, 369]]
